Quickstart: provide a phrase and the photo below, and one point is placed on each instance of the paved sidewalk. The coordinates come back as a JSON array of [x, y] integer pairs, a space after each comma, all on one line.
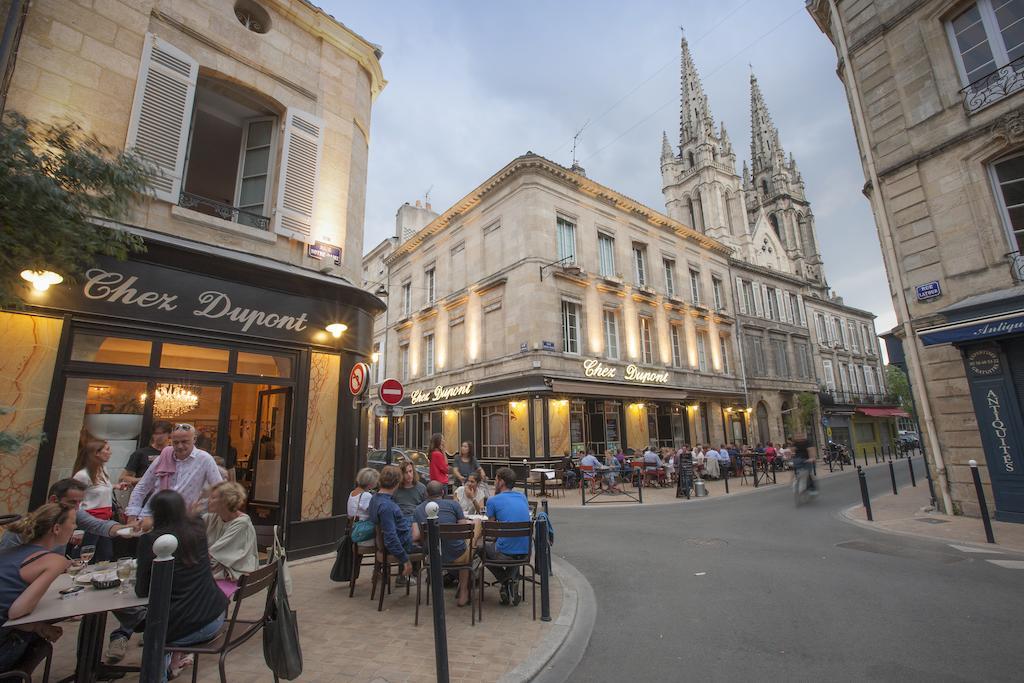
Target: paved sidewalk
[[346, 639], [909, 513]]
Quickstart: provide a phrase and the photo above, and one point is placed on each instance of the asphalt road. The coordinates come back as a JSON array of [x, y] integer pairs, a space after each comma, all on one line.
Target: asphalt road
[[752, 588]]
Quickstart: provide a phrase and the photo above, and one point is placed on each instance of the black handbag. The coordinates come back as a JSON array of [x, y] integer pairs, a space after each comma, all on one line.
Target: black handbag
[[342, 569], [281, 649]]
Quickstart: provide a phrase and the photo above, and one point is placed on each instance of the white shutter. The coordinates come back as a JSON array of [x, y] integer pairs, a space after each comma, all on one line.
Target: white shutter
[[300, 169], [800, 310], [740, 298], [780, 301], [162, 113], [758, 303]]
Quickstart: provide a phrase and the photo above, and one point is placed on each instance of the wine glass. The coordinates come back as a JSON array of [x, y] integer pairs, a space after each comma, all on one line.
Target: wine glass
[[124, 572], [75, 568], [87, 553]]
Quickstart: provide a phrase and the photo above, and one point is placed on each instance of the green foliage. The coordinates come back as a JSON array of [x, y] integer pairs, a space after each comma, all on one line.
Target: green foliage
[[899, 388], [55, 181], [801, 414]]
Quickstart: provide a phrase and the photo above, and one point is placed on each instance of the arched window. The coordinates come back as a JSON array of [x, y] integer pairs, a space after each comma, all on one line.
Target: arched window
[[693, 216], [764, 186], [774, 220], [689, 157], [763, 433]]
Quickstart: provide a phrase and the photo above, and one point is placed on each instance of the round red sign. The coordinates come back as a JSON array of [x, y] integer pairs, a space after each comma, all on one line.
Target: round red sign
[[392, 392], [357, 379]]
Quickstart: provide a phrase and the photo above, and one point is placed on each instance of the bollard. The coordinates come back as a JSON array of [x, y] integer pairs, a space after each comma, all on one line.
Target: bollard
[[910, 466], [892, 476], [726, 477], [864, 497], [981, 501], [543, 558], [814, 468], [841, 463], [152, 668], [437, 588], [928, 476], [544, 504], [875, 449], [828, 459]]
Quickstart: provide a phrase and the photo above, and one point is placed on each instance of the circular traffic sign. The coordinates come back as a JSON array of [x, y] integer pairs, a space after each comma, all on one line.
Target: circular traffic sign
[[357, 379], [391, 391]]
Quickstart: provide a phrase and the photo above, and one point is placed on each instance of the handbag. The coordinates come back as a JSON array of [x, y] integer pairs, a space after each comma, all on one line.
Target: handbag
[[342, 569], [281, 648], [362, 531], [276, 553]]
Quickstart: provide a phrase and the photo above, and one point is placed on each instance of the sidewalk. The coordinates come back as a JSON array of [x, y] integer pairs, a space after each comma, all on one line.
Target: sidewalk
[[909, 513], [346, 639]]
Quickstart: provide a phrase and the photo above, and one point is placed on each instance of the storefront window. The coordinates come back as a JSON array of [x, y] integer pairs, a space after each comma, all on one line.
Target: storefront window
[[494, 436], [98, 348], [264, 365], [202, 358], [258, 438], [577, 416]]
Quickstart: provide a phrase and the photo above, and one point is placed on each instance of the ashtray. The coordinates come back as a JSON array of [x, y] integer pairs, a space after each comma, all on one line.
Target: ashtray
[[104, 584]]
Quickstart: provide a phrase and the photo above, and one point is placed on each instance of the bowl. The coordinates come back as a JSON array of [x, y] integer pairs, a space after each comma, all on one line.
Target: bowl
[[102, 583]]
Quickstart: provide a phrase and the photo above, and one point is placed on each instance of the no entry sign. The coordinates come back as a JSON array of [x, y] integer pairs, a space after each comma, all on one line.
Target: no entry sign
[[357, 379], [391, 391]]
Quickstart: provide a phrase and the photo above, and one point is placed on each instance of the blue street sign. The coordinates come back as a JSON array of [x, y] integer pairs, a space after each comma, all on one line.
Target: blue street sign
[[548, 345], [929, 290], [824, 422]]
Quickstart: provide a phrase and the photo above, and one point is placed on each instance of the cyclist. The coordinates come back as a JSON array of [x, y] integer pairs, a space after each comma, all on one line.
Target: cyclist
[[802, 462]]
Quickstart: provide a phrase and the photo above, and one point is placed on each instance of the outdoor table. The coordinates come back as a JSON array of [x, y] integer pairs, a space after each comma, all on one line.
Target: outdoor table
[[92, 605], [545, 474]]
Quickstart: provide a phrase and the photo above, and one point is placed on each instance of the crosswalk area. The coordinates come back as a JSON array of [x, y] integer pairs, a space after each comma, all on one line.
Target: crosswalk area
[[1004, 563]]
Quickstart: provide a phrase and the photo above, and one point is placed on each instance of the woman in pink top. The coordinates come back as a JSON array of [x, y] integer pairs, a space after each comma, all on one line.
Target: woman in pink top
[[438, 460]]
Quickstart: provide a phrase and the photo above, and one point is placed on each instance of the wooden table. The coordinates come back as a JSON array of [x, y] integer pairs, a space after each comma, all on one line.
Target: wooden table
[[92, 605], [545, 474]]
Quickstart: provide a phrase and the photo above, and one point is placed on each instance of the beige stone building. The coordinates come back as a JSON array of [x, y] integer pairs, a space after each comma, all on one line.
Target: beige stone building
[[256, 114], [935, 94]]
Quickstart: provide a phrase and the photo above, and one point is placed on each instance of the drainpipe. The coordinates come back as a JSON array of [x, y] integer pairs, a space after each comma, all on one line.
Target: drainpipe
[[747, 417], [9, 45], [892, 265]]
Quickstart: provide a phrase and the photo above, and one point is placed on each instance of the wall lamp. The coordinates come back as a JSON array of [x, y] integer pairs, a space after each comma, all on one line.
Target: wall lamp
[[336, 329]]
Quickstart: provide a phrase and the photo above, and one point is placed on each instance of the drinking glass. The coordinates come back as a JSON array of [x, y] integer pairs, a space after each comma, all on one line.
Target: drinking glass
[[87, 552], [75, 568], [124, 572]]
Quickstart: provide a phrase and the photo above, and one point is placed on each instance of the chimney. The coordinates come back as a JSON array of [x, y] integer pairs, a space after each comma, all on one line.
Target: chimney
[[418, 205], [428, 207]]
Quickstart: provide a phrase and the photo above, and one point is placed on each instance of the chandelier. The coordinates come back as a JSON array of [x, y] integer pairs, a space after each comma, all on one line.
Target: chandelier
[[173, 400]]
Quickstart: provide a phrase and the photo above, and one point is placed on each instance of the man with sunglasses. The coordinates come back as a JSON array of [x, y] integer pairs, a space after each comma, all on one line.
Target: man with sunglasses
[[188, 470]]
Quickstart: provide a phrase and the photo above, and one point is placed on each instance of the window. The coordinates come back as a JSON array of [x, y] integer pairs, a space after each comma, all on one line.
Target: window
[[606, 254], [794, 310], [378, 364], [803, 359], [570, 327], [716, 290], [640, 264], [748, 298], [1008, 176], [646, 346], [844, 378], [780, 357], [866, 336], [431, 283], [702, 351], [881, 383], [201, 358], [723, 344], [494, 431], [611, 334], [755, 346], [852, 329], [694, 286], [675, 335], [566, 241], [986, 36], [403, 361], [772, 309], [95, 348], [670, 276], [406, 299], [837, 324], [869, 379], [830, 378], [428, 355], [823, 336]]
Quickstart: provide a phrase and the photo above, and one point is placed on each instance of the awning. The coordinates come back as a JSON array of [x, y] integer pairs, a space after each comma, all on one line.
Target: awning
[[883, 412], [610, 390], [974, 330]]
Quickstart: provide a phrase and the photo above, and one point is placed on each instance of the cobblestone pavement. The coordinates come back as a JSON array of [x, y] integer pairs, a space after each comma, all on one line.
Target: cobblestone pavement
[[346, 639]]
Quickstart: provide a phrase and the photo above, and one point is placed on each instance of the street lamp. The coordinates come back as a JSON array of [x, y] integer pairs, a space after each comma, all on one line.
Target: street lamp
[[41, 279]]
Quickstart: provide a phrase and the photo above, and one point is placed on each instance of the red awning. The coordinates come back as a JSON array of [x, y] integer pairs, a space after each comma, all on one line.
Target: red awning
[[883, 412]]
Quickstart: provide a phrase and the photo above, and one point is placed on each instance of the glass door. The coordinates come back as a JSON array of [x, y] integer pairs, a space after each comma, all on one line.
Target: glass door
[[268, 456]]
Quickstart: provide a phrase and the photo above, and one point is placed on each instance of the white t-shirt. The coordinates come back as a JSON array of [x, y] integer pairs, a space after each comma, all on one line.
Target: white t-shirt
[[99, 495], [359, 506]]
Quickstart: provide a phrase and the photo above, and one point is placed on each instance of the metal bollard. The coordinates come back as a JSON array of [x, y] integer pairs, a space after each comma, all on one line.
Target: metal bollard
[[544, 504], [989, 536], [437, 588], [158, 612], [864, 497], [543, 558], [910, 466], [828, 459], [726, 477], [892, 476], [875, 449]]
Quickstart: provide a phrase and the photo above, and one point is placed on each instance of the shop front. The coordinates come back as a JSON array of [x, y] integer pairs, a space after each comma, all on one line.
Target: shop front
[[185, 333]]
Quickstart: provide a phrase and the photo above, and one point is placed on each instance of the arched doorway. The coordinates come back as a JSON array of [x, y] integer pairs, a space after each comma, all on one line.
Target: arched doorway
[[763, 434]]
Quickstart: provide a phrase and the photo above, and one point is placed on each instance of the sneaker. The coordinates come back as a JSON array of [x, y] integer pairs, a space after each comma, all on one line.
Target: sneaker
[[514, 590], [504, 593], [401, 580], [117, 649]]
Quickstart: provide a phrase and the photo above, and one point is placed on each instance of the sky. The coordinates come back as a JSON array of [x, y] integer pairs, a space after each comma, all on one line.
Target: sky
[[472, 85]]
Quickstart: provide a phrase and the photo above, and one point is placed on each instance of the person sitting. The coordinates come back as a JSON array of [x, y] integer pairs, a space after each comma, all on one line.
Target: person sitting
[[651, 464], [724, 460], [395, 527], [614, 469], [507, 505], [712, 463], [570, 476], [26, 572], [589, 460], [667, 459], [358, 507], [70, 492], [197, 605], [411, 492], [452, 552], [230, 535], [471, 496], [466, 464]]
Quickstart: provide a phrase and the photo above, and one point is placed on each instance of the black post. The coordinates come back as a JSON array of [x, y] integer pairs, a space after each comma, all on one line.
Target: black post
[[437, 588], [910, 466], [892, 476], [989, 536], [864, 497], [726, 477], [753, 468], [158, 612], [828, 459], [842, 465], [875, 449], [544, 504], [391, 433], [543, 567], [928, 476]]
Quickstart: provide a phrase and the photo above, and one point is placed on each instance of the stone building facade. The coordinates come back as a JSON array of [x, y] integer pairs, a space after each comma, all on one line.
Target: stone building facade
[[935, 95], [256, 115]]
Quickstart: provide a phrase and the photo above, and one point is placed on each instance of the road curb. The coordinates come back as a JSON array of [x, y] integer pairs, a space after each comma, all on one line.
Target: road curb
[[554, 659]]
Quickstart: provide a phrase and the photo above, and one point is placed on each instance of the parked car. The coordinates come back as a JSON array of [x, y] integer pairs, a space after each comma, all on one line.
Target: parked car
[[378, 458], [908, 441]]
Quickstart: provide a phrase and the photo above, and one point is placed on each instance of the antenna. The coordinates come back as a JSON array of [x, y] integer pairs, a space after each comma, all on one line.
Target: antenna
[[426, 195], [576, 139]]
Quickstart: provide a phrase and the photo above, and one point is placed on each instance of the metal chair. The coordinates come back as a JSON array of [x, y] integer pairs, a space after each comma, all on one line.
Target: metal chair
[[492, 531], [382, 561], [359, 553], [449, 532], [22, 675]]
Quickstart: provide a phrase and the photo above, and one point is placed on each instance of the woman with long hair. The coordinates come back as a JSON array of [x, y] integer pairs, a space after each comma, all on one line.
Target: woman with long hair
[[466, 464], [197, 603], [26, 572], [91, 469], [438, 461], [411, 491]]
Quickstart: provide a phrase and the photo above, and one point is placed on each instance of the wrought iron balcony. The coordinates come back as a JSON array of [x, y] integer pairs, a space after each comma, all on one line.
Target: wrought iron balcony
[[188, 200], [832, 397], [989, 89]]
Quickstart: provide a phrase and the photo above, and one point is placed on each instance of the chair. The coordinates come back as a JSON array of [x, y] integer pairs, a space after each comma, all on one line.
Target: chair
[[557, 483], [449, 532], [382, 561], [22, 675], [584, 471], [358, 554], [492, 531], [236, 631]]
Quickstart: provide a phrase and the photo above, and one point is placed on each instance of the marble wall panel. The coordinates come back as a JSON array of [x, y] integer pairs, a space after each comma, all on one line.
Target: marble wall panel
[[637, 434], [519, 429], [321, 430], [450, 430], [558, 428]]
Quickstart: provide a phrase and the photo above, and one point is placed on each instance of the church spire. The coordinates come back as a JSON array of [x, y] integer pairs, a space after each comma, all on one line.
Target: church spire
[[695, 120], [765, 149], [666, 148]]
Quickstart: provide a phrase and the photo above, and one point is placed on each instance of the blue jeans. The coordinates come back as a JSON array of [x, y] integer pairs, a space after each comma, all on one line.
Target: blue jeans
[[201, 636], [127, 619]]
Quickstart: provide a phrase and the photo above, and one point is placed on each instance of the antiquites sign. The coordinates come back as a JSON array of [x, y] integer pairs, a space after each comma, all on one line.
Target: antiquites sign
[[441, 393], [597, 369]]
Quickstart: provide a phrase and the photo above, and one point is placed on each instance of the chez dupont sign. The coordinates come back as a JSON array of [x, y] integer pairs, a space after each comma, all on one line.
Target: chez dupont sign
[[155, 293], [597, 369], [441, 393]]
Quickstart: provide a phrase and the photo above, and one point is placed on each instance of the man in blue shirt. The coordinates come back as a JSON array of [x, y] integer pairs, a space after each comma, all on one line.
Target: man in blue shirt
[[507, 505], [452, 552], [394, 526], [591, 460]]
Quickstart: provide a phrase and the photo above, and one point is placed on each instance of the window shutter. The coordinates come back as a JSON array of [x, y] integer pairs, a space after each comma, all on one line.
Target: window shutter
[[300, 169], [800, 310], [758, 303], [780, 301], [740, 297], [162, 113]]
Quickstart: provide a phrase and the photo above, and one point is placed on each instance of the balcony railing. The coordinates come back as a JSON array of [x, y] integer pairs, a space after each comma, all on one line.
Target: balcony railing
[[1016, 261], [188, 200], [989, 89], [831, 397]]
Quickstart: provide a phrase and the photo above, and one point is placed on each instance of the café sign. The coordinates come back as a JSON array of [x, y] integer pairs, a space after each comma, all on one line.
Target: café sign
[[597, 369], [441, 393]]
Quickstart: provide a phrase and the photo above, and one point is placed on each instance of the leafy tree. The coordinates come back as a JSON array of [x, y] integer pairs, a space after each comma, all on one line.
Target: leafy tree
[[801, 414], [55, 181], [899, 388]]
